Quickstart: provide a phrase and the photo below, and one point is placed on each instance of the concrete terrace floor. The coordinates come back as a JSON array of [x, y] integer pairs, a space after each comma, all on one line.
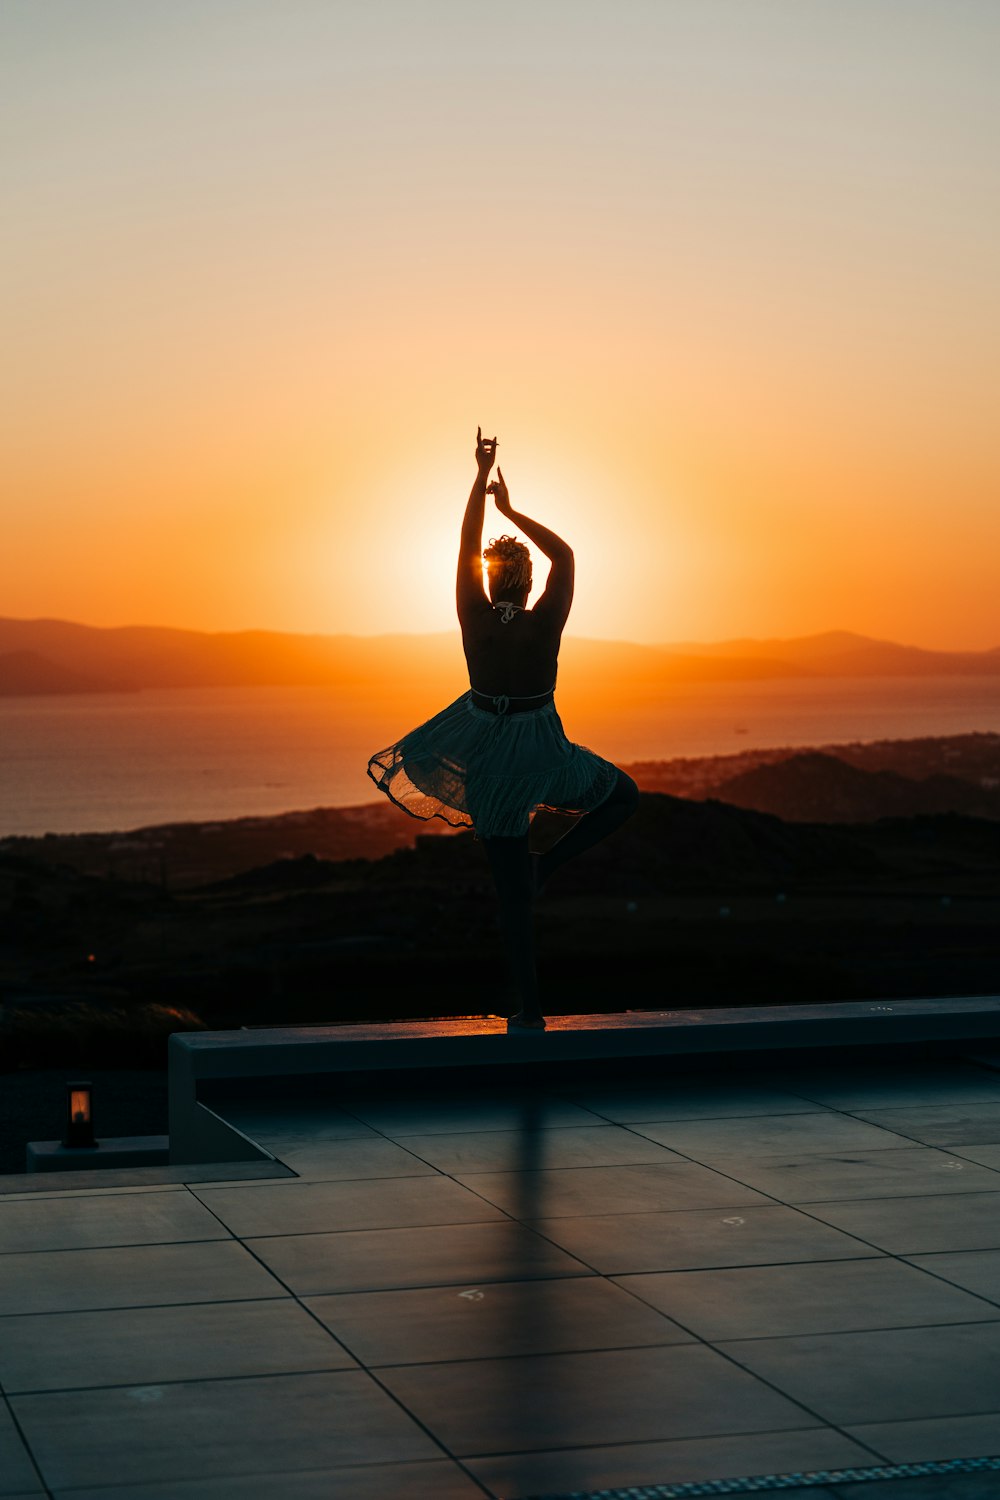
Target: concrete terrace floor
[[590, 1286]]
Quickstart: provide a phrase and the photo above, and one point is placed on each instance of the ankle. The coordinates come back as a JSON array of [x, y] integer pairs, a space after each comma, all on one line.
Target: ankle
[[529, 1020]]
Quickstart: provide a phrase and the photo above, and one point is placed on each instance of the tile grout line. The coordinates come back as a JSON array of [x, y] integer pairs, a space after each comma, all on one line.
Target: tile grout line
[[899, 1257], [72, 1312], [774, 1202], [26, 1445], [753, 1375], [361, 1367], [853, 1115], [230, 1236], [818, 1333], [794, 1208], [816, 1219], [874, 1150], [803, 1208], [698, 1340], [131, 1245], [777, 1202]]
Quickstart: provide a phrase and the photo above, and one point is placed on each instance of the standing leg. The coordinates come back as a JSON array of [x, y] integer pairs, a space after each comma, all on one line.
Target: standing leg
[[591, 828], [510, 863]]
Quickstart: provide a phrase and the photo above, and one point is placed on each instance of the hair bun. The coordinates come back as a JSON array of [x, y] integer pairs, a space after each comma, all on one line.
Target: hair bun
[[508, 562]]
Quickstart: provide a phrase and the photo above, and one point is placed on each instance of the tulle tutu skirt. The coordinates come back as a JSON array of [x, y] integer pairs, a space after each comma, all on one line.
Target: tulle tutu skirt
[[491, 771]]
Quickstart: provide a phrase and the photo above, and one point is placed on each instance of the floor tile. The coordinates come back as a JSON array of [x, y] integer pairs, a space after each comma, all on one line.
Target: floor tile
[[277, 1177], [333, 1161], [618, 1243], [122, 1219], [711, 1101], [767, 1135], [811, 1177], [314, 1207], [133, 1276], [273, 1425], [882, 1087], [439, 1255], [284, 1120], [568, 1400], [482, 1322], [942, 1125], [434, 1115], [143, 1346], [43, 1187], [17, 1472], [613, 1190], [822, 1297], [164, 1179], [684, 1460], [976, 1270], [417, 1481], [987, 1156], [908, 1226], [516, 1151], [936, 1438], [904, 1374]]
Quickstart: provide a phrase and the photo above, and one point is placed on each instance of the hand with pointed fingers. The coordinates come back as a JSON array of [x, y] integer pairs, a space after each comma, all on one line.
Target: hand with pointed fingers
[[498, 489], [486, 451]]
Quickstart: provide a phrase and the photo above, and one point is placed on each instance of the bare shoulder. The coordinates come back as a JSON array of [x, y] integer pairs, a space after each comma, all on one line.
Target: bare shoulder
[[545, 626], [474, 614], [552, 610]]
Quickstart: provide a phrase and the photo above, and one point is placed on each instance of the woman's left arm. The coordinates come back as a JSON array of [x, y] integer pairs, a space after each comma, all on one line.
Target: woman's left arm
[[556, 601], [469, 592]]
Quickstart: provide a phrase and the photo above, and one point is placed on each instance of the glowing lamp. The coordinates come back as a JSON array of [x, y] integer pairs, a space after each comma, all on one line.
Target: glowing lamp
[[79, 1115]]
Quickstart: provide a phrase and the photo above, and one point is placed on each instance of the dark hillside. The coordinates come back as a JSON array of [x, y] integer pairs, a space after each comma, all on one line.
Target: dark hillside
[[693, 903]]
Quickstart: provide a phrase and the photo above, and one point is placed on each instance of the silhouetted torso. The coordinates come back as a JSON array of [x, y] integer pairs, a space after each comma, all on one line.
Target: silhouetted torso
[[518, 658]]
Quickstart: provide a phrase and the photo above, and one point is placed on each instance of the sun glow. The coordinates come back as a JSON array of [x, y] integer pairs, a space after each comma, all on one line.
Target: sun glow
[[724, 289], [412, 557]]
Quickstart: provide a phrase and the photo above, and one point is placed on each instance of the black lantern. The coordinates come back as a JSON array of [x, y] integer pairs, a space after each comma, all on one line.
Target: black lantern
[[79, 1116]]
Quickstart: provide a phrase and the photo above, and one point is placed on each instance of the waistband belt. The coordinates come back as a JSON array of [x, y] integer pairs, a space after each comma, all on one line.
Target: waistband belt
[[501, 703]]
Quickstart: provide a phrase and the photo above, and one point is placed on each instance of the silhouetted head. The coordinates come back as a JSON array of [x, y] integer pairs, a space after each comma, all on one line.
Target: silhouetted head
[[508, 569]]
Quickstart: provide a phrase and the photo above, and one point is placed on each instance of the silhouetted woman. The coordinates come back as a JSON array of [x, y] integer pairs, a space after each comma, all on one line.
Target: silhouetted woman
[[499, 752]]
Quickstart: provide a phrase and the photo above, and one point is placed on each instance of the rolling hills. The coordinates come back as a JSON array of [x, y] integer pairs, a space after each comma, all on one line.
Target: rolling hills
[[57, 656]]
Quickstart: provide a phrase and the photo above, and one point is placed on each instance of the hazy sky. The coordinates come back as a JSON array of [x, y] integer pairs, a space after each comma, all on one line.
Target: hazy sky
[[720, 274]]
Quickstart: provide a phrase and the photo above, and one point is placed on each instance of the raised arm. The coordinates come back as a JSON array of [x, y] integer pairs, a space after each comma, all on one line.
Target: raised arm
[[558, 596], [469, 592]]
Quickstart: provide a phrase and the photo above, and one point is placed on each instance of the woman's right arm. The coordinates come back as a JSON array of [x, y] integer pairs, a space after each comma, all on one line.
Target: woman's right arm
[[470, 596], [558, 596]]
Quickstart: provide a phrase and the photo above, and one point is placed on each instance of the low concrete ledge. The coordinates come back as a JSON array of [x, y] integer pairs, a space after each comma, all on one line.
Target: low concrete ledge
[[197, 1133], [271, 1052], [17, 1185], [109, 1152]]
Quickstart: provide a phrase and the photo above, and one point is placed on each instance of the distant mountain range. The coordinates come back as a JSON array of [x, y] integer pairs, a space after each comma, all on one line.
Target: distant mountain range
[[845, 783], [56, 656]]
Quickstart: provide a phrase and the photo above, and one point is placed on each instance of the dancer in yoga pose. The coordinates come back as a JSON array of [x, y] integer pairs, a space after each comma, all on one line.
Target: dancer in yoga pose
[[499, 752]]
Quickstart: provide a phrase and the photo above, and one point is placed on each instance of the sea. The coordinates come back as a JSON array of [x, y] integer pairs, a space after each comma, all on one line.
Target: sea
[[103, 762]]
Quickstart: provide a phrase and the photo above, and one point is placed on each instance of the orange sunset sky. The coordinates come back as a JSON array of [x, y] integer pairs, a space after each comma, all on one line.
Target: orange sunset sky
[[721, 275]]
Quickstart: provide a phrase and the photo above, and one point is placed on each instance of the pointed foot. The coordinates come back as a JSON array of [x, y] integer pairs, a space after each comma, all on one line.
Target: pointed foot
[[521, 1022]]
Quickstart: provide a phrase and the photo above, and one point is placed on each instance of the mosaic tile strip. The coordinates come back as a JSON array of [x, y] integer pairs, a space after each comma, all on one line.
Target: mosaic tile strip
[[764, 1484]]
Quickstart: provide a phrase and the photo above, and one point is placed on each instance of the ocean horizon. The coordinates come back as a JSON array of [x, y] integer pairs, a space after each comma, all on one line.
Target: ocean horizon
[[104, 762]]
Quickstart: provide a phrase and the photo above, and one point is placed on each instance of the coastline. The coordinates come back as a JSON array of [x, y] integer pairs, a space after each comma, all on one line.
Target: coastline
[[101, 763], [853, 781]]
